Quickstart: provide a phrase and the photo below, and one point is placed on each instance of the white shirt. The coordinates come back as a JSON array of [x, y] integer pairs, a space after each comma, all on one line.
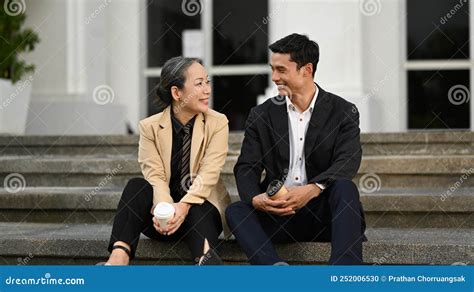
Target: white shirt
[[298, 123]]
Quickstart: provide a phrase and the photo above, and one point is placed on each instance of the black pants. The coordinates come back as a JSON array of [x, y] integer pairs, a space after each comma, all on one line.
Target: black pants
[[133, 218], [336, 216]]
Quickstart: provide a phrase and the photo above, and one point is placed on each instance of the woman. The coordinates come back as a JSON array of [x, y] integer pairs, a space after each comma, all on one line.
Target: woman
[[181, 153]]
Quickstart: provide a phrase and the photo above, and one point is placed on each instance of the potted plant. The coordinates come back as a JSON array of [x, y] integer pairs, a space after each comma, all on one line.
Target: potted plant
[[16, 76]]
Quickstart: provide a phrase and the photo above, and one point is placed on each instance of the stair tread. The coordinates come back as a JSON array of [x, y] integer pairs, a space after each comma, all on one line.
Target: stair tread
[[393, 164], [236, 137], [385, 245], [93, 198], [50, 231]]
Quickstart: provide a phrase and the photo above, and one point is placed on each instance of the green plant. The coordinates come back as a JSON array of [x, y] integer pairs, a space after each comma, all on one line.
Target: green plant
[[14, 40]]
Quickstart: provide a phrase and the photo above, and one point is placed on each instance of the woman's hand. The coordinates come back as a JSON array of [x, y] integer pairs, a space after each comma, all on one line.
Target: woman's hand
[[156, 223], [157, 226], [181, 211]]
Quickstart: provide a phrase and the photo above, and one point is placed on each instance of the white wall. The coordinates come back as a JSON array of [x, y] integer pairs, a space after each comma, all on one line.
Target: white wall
[[86, 47], [86, 44], [383, 71], [357, 48]]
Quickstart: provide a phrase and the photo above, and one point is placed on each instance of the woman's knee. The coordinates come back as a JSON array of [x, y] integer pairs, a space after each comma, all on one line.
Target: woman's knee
[[205, 212], [135, 188]]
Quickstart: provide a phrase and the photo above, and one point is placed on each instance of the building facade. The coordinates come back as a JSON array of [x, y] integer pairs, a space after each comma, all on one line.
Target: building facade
[[405, 64]]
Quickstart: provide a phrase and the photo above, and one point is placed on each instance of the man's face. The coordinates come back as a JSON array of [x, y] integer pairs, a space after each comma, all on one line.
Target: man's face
[[286, 75]]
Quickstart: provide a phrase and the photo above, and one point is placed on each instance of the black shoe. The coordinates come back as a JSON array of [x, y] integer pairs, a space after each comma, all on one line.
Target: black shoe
[[211, 258]]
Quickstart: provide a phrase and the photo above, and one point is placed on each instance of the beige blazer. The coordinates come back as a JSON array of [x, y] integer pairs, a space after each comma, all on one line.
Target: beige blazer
[[209, 146]]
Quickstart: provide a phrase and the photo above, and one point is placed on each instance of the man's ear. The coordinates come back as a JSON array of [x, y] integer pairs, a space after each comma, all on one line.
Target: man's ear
[[308, 69], [175, 93]]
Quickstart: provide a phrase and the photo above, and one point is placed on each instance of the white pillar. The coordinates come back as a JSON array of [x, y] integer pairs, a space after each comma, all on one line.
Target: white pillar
[[127, 55], [73, 87], [361, 46]]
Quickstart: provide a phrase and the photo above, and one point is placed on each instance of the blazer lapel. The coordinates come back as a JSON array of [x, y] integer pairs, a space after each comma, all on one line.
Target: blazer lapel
[[279, 121], [165, 140], [320, 114], [196, 142]]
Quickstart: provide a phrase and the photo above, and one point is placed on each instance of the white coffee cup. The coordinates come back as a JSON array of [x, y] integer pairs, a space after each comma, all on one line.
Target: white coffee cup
[[163, 212]]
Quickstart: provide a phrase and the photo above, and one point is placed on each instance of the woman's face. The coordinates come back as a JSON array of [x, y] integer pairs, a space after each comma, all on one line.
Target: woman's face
[[194, 96]]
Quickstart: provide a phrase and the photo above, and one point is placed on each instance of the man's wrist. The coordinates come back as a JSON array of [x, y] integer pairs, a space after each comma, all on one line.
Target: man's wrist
[[322, 187], [318, 188]]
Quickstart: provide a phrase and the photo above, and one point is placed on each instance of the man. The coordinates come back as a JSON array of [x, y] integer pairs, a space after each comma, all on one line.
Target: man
[[310, 140]]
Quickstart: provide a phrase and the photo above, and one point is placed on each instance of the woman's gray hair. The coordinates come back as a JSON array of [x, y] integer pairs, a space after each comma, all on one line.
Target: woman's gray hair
[[173, 73]]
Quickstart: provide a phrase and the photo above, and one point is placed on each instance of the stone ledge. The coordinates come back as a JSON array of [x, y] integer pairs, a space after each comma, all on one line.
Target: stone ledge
[[393, 200], [235, 138], [385, 245], [447, 164]]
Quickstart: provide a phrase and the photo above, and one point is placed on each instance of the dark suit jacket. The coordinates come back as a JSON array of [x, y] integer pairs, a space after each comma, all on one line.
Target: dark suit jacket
[[332, 144]]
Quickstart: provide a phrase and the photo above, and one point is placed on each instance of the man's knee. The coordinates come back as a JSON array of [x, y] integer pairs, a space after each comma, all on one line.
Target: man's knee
[[237, 211], [344, 189]]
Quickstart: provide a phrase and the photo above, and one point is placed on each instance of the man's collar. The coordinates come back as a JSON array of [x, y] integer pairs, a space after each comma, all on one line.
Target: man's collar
[[291, 107]]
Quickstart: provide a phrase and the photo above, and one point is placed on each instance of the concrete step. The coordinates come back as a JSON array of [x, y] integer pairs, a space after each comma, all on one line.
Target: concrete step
[[390, 208], [68, 145], [376, 172], [411, 143], [34, 243]]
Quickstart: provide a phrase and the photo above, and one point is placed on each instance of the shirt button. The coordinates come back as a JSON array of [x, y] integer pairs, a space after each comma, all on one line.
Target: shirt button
[[300, 158], [301, 120], [296, 178], [301, 139]]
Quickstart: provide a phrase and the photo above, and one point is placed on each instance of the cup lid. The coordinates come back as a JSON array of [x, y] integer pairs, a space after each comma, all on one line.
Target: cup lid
[[163, 209]]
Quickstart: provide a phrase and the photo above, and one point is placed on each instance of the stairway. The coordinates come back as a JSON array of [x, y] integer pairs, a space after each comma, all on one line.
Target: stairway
[[59, 195]]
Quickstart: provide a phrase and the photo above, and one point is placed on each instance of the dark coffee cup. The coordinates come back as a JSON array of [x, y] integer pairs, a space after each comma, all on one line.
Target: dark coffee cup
[[276, 189]]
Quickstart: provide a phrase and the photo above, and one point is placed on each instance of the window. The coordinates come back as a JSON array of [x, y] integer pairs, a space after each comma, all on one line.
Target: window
[[166, 23], [234, 96], [435, 99], [438, 63], [239, 67]]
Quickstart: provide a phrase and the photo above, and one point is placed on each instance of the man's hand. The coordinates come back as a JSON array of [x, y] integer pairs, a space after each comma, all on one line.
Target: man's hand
[[263, 203], [298, 197]]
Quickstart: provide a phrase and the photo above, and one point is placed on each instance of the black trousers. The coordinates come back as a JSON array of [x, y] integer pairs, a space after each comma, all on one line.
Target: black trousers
[[134, 217], [336, 216]]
